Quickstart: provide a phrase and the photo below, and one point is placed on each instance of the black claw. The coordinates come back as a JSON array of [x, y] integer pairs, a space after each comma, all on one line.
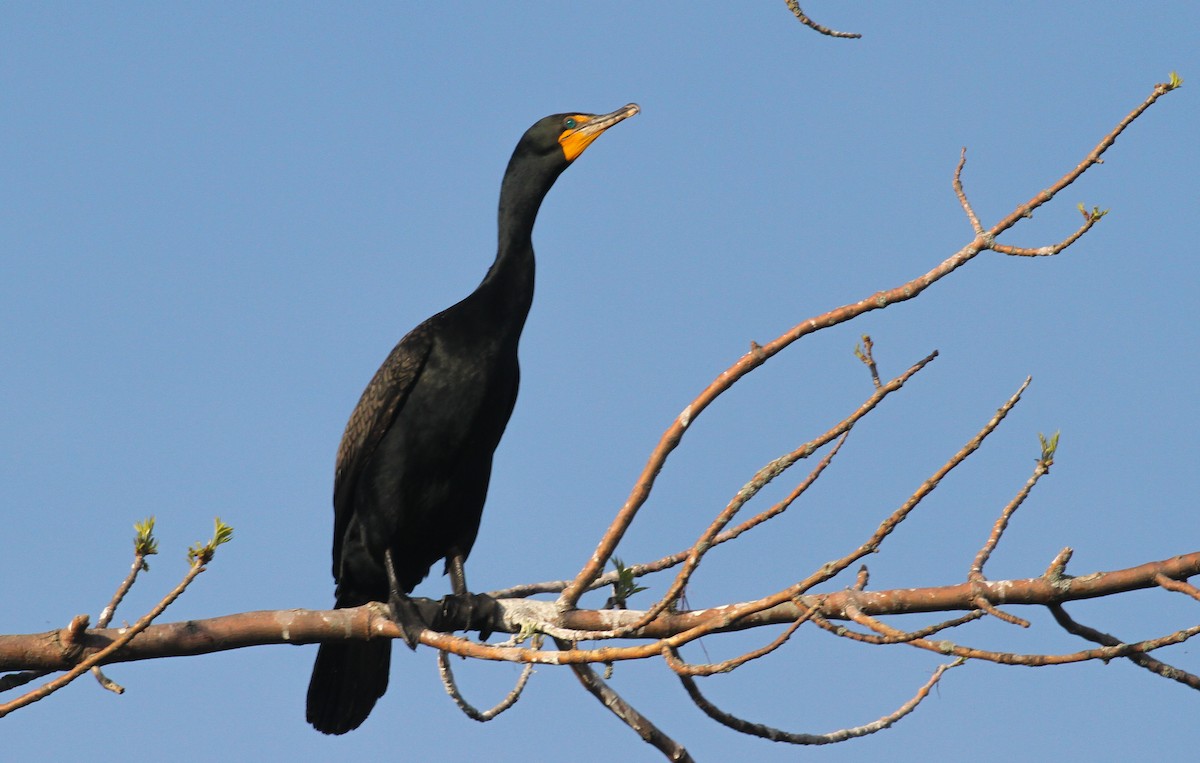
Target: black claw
[[405, 614], [468, 612]]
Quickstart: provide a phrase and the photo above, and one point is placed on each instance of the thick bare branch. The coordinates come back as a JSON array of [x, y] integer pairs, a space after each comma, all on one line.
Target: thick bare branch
[[44, 651]]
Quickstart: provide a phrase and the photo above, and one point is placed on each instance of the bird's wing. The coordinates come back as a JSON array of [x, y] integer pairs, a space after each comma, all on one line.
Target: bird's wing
[[374, 414]]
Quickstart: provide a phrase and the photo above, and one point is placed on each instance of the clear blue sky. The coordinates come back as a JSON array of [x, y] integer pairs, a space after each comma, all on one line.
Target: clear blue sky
[[216, 222]]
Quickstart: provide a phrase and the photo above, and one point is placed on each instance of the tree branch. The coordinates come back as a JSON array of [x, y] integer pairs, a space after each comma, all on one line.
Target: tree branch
[[629, 715], [1144, 660], [794, 7], [451, 686], [759, 355], [841, 735], [100, 656], [44, 651]]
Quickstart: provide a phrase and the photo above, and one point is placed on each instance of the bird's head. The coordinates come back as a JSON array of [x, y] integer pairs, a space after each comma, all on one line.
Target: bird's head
[[565, 136], [544, 151]]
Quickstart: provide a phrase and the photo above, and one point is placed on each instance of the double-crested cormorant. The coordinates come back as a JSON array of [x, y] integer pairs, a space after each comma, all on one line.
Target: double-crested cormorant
[[413, 466]]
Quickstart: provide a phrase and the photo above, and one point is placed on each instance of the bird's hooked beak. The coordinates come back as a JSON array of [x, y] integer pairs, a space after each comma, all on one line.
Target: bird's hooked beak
[[575, 140]]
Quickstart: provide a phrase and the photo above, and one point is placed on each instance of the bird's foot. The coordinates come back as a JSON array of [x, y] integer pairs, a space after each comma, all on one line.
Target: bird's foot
[[405, 614], [468, 612]]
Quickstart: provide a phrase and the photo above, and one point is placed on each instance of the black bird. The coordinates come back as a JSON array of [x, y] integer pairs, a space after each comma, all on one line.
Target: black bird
[[414, 463]]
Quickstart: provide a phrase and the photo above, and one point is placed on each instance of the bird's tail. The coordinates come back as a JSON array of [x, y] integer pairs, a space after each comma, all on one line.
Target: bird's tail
[[347, 678]]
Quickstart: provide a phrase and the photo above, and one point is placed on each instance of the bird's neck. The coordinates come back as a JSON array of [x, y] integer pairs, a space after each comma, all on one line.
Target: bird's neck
[[526, 183], [509, 283], [507, 290]]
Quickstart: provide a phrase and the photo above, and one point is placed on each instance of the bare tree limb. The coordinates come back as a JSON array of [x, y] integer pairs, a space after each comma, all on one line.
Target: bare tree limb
[[975, 573], [99, 656], [962, 195], [902, 638], [687, 669], [628, 714], [758, 355], [760, 480], [44, 651], [841, 735], [794, 7], [1178, 586], [451, 686], [667, 562], [144, 544], [1030, 660], [1144, 660], [13, 680]]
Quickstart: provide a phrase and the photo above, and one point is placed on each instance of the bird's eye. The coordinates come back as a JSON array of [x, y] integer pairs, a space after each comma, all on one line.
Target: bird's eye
[[570, 123]]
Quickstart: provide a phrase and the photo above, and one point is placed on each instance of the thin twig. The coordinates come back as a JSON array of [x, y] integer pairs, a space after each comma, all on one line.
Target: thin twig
[[862, 578], [794, 7], [677, 664], [987, 607], [1090, 219], [872, 544], [731, 614], [13, 680], [1032, 660], [628, 714], [903, 638], [451, 686], [1178, 586], [760, 480], [106, 614], [667, 562], [49, 688], [962, 195], [758, 355], [1093, 158], [865, 353], [975, 573], [778, 735], [1143, 660], [1058, 566]]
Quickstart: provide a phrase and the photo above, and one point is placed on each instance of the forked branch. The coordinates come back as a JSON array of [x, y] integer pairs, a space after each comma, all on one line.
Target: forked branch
[[984, 240]]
